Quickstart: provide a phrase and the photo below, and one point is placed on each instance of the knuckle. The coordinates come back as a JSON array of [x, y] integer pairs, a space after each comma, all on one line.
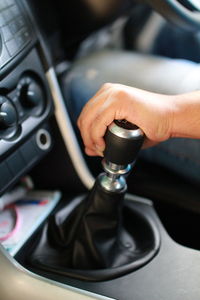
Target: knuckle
[[80, 123], [88, 142], [106, 85], [83, 123], [95, 134], [120, 93], [94, 137], [99, 122], [99, 118]]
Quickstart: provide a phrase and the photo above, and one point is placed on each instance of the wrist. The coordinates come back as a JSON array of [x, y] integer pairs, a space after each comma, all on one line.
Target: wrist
[[176, 116], [186, 115]]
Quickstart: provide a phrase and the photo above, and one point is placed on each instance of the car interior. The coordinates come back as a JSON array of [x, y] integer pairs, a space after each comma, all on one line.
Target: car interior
[[80, 227]]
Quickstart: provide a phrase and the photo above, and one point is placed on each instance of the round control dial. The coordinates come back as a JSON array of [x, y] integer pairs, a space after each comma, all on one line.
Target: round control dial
[[31, 95], [8, 118], [8, 113]]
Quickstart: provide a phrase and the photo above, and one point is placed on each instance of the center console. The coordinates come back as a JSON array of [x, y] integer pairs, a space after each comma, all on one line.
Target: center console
[[29, 95], [25, 99]]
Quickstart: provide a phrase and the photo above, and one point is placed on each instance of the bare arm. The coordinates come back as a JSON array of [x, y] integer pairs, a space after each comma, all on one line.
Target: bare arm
[[186, 121], [159, 116]]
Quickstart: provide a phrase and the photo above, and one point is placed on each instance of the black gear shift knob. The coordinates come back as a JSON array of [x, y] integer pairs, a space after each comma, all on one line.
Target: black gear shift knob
[[123, 141]]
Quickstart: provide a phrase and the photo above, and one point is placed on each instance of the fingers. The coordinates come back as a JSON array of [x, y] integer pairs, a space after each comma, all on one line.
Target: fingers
[[93, 131], [93, 122], [98, 129], [111, 102], [92, 153], [114, 101], [85, 120], [94, 103]]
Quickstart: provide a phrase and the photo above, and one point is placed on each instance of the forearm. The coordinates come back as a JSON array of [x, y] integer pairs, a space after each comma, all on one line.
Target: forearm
[[159, 116], [186, 116]]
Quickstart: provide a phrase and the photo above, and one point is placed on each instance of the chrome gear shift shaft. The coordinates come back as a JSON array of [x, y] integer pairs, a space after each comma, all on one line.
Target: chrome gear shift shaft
[[123, 142]]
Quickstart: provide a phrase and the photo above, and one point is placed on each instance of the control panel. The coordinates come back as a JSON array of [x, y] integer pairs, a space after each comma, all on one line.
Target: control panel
[[25, 108], [25, 99], [15, 30]]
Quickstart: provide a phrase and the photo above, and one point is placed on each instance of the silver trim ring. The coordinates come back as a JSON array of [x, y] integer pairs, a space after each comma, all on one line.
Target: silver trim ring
[[131, 134], [43, 139]]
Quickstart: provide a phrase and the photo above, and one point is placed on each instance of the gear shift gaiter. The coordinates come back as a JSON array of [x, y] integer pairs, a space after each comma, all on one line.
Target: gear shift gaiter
[[97, 237]]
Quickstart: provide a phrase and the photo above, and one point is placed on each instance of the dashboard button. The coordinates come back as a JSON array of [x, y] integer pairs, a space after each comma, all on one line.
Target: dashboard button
[[20, 21], [29, 152], [15, 10], [20, 40], [2, 21], [10, 2], [4, 57], [12, 46], [7, 15], [13, 27], [5, 175], [26, 35], [7, 35], [16, 163]]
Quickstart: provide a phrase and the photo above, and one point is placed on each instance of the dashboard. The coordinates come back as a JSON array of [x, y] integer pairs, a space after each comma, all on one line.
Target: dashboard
[[30, 102], [25, 99], [16, 31]]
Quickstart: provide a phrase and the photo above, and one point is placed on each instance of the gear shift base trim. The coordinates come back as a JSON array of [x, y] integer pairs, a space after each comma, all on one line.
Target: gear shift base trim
[[139, 221]]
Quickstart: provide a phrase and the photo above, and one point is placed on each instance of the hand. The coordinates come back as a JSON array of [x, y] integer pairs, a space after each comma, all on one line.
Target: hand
[[153, 113]]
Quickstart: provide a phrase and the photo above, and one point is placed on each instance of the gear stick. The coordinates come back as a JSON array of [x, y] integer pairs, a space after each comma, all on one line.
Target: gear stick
[[123, 141], [96, 237]]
